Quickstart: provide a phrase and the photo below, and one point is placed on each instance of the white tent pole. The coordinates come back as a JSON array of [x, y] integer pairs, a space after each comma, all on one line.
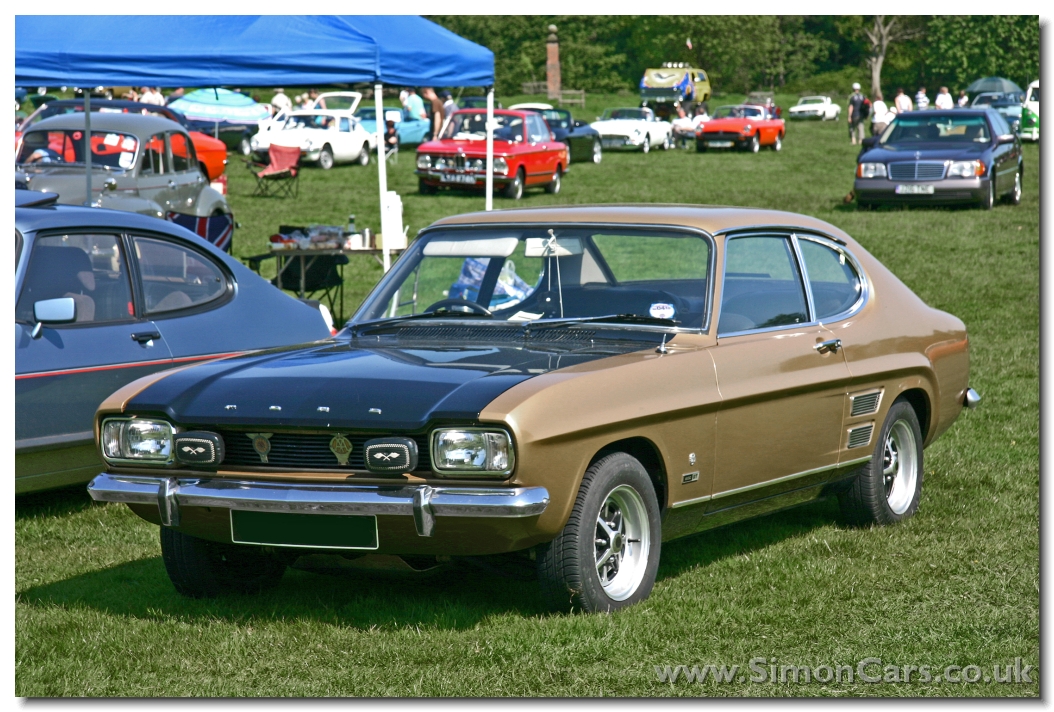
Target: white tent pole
[[490, 149], [87, 144], [382, 169]]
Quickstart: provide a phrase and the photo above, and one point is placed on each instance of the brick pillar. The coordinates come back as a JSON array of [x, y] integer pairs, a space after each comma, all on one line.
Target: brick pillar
[[552, 63]]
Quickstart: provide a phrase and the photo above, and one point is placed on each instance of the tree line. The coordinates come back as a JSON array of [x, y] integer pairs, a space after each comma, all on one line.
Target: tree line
[[791, 53]]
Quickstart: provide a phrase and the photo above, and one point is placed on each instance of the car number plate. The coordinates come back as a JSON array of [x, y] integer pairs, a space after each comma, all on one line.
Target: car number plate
[[327, 531], [457, 178], [719, 144], [612, 142], [914, 190]]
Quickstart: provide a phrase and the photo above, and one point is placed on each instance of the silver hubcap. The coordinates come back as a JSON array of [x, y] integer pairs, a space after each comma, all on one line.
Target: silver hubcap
[[1017, 186], [900, 467], [623, 540], [647, 145], [596, 152]]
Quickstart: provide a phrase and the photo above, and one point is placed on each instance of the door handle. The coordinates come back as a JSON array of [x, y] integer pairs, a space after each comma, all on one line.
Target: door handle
[[145, 336], [831, 346]]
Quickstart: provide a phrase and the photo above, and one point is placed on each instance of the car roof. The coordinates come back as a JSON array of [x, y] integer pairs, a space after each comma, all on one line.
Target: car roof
[[138, 124], [533, 106], [53, 216], [712, 219]]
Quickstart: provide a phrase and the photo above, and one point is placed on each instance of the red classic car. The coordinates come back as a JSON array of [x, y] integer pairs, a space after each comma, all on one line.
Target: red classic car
[[747, 127], [525, 154]]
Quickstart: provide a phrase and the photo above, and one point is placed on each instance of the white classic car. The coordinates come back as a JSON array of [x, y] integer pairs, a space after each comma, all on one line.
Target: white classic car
[[327, 133], [633, 129], [815, 107]]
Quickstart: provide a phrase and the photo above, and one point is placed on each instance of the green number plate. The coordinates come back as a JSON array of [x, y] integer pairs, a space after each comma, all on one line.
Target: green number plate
[[318, 531]]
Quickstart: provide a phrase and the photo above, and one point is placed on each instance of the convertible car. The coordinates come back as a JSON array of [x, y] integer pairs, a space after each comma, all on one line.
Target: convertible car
[[633, 130], [747, 127], [525, 154], [940, 157], [815, 107], [564, 387], [325, 137], [581, 138], [104, 297]]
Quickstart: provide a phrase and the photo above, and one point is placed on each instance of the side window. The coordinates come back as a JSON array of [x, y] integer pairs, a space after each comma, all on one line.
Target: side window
[[183, 158], [345, 124], [88, 268], [763, 286], [537, 131], [176, 277], [153, 161], [834, 282], [999, 123]]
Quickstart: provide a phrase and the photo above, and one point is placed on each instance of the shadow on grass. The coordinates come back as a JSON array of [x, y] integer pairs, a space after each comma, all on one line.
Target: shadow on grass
[[457, 598], [54, 503]]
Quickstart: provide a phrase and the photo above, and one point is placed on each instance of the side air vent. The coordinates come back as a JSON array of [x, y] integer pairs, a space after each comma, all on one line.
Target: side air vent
[[858, 437], [864, 403]]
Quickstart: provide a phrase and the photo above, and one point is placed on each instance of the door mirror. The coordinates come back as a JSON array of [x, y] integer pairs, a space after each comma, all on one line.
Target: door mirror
[[53, 311], [1005, 138]]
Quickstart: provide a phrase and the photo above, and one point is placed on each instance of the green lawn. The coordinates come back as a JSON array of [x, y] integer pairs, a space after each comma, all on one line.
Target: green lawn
[[956, 585]]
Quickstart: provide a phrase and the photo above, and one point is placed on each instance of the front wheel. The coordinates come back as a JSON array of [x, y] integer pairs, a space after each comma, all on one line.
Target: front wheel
[[244, 147], [514, 190], [667, 143], [424, 188], [364, 155], [989, 195], [607, 554], [553, 186], [598, 151], [700, 146], [888, 488], [755, 145], [325, 158], [646, 146], [203, 569]]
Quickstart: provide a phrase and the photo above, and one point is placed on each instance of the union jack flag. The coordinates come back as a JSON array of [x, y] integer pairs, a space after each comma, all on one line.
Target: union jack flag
[[218, 229]]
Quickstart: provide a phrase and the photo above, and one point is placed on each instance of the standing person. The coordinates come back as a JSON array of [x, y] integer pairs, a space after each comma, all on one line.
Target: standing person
[[964, 100], [880, 116], [281, 102], [944, 99], [415, 106], [856, 114], [147, 95], [902, 102], [449, 105], [921, 100], [435, 110]]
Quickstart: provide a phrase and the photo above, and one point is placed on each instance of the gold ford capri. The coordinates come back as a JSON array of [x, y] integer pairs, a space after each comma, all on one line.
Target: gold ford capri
[[566, 387]]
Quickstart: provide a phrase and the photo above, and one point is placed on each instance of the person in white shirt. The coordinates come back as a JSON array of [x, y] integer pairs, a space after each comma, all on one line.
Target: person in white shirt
[[281, 102], [921, 100], [880, 115], [902, 102], [151, 96], [682, 127], [964, 100], [944, 99]]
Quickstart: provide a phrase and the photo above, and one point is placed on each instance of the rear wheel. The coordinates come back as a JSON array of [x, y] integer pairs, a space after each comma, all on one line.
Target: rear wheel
[[364, 155], [598, 152], [514, 190], [325, 158], [667, 143], [888, 488], [778, 146], [244, 147], [553, 186], [1015, 195], [607, 554], [203, 569]]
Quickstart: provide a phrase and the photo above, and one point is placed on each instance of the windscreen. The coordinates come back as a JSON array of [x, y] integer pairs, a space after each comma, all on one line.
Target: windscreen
[[940, 128], [472, 126], [536, 274]]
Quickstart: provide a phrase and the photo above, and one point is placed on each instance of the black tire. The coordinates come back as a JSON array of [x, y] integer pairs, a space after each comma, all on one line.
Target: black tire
[[700, 146], [869, 499], [203, 569], [424, 188], [646, 146], [567, 566], [988, 201], [514, 190], [325, 158], [364, 155], [1014, 196], [598, 151], [553, 186]]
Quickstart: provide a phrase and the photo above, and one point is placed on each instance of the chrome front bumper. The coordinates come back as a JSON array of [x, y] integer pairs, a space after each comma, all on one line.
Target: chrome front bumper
[[423, 502]]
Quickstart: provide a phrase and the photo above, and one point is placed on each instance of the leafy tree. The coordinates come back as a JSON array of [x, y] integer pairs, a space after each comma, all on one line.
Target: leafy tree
[[962, 48]]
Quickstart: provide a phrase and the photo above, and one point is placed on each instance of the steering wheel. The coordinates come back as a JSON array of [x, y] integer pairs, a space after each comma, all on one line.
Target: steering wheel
[[466, 306]]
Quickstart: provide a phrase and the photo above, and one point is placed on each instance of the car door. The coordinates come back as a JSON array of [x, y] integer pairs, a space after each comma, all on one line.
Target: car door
[[1004, 155], [184, 290], [782, 391], [185, 173], [541, 157], [62, 376], [154, 179]]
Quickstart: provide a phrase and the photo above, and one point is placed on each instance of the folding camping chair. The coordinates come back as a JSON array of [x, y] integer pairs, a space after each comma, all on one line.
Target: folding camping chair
[[280, 178], [322, 276]]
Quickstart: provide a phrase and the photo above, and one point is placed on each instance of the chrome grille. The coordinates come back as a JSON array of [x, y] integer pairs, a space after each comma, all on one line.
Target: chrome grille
[[459, 161], [918, 170], [864, 403], [307, 451], [858, 437]]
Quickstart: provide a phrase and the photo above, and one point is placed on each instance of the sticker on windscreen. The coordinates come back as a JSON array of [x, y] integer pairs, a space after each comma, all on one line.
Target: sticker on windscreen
[[662, 311], [125, 160]]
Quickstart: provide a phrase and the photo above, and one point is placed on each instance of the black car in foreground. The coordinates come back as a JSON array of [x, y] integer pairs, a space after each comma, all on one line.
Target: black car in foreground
[[941, 157]]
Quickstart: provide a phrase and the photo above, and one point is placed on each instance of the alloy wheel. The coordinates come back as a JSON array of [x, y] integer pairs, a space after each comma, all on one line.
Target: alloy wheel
[[900, 466], [623, 540], [597, 152]]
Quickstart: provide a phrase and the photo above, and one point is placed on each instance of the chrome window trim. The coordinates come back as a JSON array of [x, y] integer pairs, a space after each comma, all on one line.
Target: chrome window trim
[[795, 234], [708, 309]]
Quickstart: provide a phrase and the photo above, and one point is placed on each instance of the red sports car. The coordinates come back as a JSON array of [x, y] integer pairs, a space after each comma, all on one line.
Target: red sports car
[[525, 154], [747, 127]]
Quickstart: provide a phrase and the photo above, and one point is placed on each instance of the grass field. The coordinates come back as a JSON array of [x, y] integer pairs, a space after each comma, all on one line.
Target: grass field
[[956, 585]]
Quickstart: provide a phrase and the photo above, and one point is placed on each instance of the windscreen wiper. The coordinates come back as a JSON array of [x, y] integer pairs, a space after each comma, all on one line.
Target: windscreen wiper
[[610, 318]]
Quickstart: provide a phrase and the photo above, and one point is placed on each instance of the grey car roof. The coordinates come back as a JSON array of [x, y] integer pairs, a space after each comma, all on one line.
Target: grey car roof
[[136, 124], [47, 217]]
